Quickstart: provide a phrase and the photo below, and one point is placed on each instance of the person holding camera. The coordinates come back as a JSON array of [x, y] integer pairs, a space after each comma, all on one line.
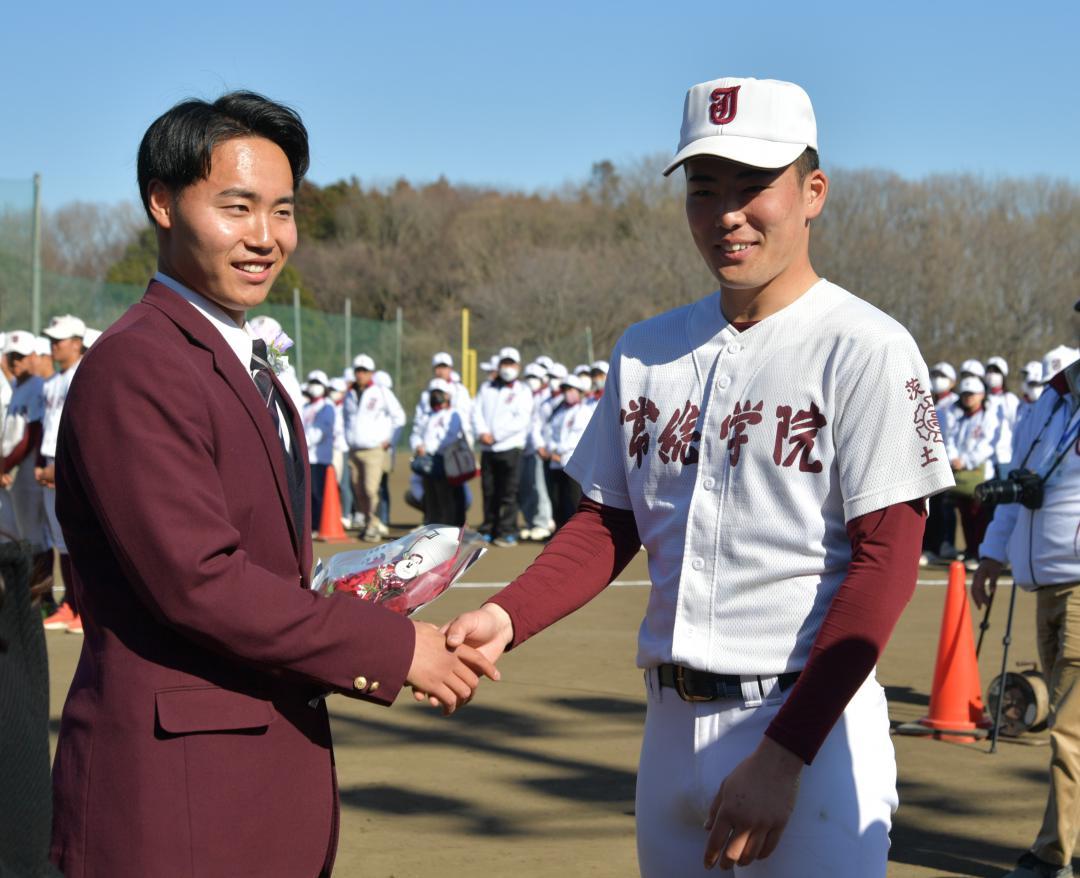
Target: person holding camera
[[1034, 529]]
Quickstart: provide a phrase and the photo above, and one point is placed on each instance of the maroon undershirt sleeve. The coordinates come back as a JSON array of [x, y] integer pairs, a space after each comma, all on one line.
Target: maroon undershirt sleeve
[[31, 441], [585, 554], [885, 548]]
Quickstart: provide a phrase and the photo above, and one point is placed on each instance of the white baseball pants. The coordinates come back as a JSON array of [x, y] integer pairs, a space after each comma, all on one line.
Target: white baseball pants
[[843, 813]]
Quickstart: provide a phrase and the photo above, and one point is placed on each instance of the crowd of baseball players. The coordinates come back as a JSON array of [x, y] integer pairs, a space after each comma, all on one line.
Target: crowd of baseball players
[[978, 414], [524, 424]]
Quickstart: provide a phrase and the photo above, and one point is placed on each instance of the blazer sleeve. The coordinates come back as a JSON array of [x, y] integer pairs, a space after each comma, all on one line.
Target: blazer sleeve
[[139, 446]]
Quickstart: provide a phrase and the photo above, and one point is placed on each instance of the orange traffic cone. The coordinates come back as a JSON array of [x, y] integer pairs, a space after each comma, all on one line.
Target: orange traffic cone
[[956, 707], [330, 529]]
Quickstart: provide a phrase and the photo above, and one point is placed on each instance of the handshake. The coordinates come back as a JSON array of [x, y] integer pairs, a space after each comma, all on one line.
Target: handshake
[[448, 662]]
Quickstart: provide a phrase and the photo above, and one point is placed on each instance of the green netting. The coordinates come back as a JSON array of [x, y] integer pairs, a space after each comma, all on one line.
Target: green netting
[[16, 231]]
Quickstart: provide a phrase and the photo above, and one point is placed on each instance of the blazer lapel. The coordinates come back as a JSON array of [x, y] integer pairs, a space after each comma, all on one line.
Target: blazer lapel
[[227, 364]]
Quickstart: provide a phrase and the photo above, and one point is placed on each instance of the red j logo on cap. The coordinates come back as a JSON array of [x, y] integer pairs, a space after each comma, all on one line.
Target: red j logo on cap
[[724, 103]]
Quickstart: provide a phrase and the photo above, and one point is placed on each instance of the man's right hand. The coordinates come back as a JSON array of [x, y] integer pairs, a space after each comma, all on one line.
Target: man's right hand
[[985, 580], [489, 629], [448, 676]]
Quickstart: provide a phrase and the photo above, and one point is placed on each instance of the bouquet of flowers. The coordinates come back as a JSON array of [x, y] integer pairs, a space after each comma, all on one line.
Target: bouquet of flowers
[[406, 574]]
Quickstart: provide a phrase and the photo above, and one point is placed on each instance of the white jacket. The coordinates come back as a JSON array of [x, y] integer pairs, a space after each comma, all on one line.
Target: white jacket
[[973, 439], [320, 417], [1040, 544], [372, 417], [567, 427], [504, 411], [442, 429]]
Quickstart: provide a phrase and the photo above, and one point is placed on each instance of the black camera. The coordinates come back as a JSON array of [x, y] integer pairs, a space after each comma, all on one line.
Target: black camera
[[1022, 486]]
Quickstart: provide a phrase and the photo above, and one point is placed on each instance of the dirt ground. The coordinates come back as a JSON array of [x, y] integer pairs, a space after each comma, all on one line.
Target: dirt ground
[[536, 777]]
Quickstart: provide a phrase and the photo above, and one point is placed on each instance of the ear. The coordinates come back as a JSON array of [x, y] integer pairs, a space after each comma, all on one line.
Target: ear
[[161, 201], [815, 191]]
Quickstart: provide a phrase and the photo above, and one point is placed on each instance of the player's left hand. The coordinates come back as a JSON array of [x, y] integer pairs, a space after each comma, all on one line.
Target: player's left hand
[[753, 805]]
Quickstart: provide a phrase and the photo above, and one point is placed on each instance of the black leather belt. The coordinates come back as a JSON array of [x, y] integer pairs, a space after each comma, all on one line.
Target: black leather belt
[[702, 686]]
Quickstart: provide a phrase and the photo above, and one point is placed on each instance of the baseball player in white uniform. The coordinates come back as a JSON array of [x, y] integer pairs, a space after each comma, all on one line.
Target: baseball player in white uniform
[[771, 445]]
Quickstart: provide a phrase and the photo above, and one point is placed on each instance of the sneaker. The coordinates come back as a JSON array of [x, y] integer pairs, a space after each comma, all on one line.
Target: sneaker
[[525, 534], [1030, 866], [371, 536], [59, 620], [505, 541], [383, 530], [539, 534], [357, 521], [74, 626], [971, 564]]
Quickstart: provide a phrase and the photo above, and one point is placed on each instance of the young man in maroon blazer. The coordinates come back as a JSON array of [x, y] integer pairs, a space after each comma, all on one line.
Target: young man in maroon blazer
[[192, 743]]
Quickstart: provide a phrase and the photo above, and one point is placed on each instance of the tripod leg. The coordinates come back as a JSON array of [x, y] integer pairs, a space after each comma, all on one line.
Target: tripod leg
[[1005, 641], [984, 625]]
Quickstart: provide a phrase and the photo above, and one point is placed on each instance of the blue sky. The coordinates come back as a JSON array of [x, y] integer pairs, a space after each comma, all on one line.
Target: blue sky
[[528, 96]]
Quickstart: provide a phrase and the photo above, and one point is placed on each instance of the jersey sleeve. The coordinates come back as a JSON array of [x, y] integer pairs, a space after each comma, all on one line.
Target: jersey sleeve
[[596, 464], [889, 446]]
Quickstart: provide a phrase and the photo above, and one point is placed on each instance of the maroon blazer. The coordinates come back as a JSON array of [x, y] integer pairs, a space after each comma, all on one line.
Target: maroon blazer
[[187, 744]]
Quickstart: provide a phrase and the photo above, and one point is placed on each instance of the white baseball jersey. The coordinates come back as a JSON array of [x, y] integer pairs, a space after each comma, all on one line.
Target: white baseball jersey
[[27, 406], [743, 455], [55, 391]]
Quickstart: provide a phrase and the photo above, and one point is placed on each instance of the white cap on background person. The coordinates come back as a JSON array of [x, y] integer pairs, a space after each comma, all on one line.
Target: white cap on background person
[[442, 359], [42, 346], [578, 382], [1000, 363], [600, 366], [1033, 372], [339, 385], [363, 361], [488, 365], [558, 371], [455, 378], [383, 379], [509, 353], [20, 342], [545, 361], [441, 384], [65, 326], [945, 369], [320, 376], [972, 367], [534, 370], [971, 384], [764, 123], [1057, 359]]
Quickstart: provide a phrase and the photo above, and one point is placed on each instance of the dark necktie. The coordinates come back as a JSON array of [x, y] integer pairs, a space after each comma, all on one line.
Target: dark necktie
[[294, 466]]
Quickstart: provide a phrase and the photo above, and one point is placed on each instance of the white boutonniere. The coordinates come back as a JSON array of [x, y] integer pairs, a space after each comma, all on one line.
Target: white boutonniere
[[277, 342]]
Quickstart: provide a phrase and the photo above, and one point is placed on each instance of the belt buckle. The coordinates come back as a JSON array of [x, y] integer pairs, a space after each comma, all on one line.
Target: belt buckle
[[680, 687]]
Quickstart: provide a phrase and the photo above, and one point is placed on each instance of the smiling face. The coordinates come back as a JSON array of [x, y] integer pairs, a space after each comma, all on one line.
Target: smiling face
[[228, 236], [752, 225]]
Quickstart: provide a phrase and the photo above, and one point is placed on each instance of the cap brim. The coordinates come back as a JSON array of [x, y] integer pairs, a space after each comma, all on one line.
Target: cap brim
[[744, 150]]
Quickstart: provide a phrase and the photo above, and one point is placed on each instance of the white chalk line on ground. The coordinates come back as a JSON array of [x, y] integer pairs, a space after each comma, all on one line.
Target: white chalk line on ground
[[639, 583]]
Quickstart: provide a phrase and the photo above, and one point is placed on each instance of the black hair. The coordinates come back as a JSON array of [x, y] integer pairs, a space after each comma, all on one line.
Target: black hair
[[806, 163], [177, 147]]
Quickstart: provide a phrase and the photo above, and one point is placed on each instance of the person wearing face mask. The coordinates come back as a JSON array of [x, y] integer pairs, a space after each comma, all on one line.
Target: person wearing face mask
[[320, 420], [938, 538], [998, 395], [500, 419], [598, 374], [532, 494], [567, 427], [1031, 388], [443, 503], [970, 444]]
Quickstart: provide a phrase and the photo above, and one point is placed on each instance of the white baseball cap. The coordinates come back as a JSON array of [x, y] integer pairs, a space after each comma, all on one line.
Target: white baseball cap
[[971, 384], [534, 370], [582, 369], [1033, 372], [339, 385], [383, 379], [90, 337], [65, 326], [489, 365], [945, 369], [764, 123], [600, 366], [441, 384], [545, 361], [442, 359], [20, 342], [42, 347], [578, 382], [318, 375], [972, 367], [557, 370], [363, 361], [455, 377], [1002, 366], [1057, 359], [509, 353]]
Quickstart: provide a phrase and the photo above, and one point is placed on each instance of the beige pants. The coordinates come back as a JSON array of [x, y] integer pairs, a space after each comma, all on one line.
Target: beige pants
[[365, 470], [1057, 621]]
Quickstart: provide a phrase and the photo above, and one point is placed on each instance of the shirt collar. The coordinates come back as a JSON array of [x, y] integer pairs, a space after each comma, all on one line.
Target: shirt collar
[[237, 337]]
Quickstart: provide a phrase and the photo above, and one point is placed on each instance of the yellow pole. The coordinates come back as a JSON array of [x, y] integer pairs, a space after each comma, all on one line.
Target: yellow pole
[[465, 345]]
